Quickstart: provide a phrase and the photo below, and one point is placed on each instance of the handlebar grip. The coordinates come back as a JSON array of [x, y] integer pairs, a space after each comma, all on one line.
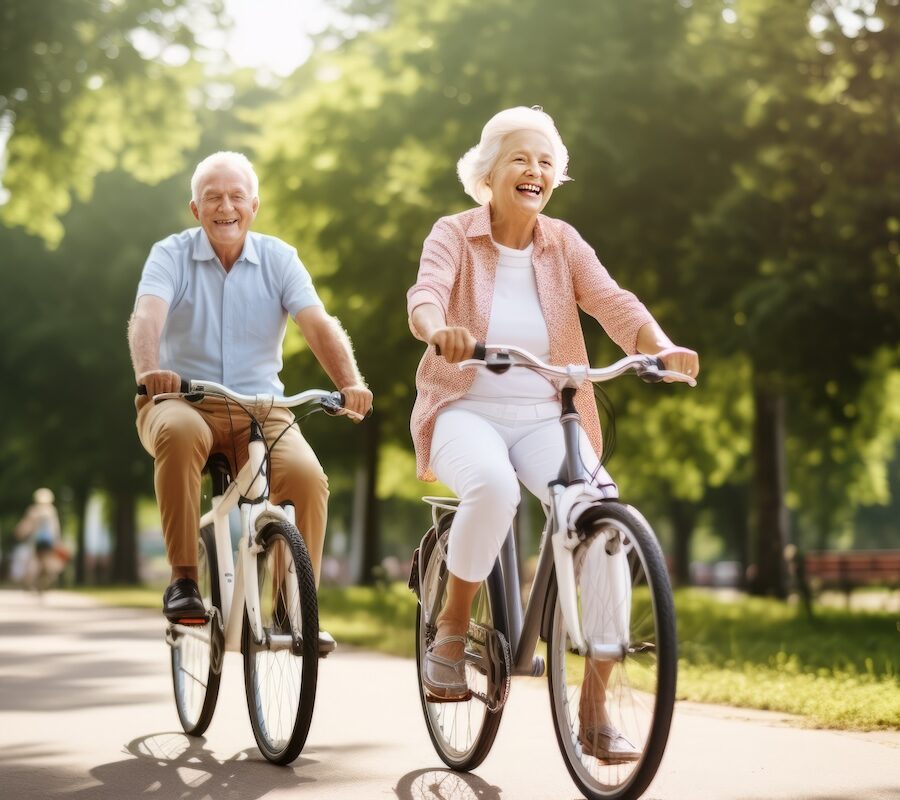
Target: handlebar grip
[[367, 414], [332, 410], [479, 352], [185, 387]]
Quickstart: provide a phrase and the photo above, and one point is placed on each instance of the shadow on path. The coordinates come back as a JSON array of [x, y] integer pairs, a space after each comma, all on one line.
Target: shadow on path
[[168, 765], [444, 784], [76, 668], [886, 793]]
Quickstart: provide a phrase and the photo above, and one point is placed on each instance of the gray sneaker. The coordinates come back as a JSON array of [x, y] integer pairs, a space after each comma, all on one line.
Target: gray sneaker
[[444, 679], [607, 744]]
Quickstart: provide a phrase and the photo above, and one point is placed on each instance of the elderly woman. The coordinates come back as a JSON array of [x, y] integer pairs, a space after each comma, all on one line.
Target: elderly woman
[[505, 273]]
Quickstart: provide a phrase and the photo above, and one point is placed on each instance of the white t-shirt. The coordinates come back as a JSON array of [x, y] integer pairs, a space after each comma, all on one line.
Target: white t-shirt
[[517, 319]]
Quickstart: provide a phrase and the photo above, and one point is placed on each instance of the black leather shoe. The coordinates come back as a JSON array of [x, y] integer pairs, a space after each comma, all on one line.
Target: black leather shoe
[[183, 604]]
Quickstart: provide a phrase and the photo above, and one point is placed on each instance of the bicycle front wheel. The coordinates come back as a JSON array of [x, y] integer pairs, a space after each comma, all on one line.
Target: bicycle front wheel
[[196, 651], [612, 710], [281, 670], [462, 732]]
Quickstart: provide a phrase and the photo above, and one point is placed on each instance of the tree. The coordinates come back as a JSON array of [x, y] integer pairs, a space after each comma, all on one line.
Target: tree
[[805, 228], [80, 96]]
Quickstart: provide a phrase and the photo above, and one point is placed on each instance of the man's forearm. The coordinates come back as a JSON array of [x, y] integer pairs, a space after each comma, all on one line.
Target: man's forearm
[[332, 348], [143, 343]]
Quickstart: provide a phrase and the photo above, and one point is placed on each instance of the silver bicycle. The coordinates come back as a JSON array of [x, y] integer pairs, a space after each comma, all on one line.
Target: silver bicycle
[[600, 604], [262, 603]]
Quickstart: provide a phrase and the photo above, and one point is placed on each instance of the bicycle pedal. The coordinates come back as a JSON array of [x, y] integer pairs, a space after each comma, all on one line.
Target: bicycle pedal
[[326, 644], [191, 621], [433, 698]]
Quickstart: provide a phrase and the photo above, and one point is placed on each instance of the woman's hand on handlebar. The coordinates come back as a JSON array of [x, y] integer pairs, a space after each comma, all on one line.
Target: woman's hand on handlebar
[[453, 343], [357, 401], [680, 359], [160, 381]]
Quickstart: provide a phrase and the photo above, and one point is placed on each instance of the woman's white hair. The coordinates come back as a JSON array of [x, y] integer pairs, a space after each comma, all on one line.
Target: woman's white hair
[[227, 158], [475, 167]]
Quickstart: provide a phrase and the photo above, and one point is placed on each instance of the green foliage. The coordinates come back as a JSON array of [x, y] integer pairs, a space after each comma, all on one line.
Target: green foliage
[[82, 99]]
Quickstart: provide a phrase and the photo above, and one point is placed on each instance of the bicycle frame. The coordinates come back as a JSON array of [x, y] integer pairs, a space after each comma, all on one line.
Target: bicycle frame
[[238, 584]]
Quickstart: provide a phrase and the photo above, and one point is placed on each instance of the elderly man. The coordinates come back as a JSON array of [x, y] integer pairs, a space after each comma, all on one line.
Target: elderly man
[[212, 304]]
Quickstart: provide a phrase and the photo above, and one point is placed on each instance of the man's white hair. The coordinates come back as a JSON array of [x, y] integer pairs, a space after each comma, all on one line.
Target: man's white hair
[[224, 158], [475, 167]]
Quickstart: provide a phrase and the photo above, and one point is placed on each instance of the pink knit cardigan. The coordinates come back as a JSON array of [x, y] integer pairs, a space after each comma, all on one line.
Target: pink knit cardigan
[[457, 272]]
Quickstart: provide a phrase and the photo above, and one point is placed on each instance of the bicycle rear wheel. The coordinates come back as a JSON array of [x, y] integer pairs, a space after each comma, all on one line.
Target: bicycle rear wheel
[[463, 732], [196, 654], [626, 612], [281, 671]]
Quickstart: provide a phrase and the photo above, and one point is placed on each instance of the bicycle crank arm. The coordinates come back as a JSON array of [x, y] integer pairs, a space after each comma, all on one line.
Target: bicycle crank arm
[[285, 641]]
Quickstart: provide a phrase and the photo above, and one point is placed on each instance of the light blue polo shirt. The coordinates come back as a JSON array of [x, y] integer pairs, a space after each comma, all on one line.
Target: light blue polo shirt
[[222, 326]]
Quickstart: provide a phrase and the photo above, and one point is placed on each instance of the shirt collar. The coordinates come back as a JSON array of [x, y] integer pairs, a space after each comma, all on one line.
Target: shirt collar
[[481, 226], [203, 249]]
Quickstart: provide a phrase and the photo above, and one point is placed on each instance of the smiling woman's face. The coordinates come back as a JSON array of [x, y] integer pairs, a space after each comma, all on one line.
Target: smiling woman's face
[[225, 206], [523, 176]]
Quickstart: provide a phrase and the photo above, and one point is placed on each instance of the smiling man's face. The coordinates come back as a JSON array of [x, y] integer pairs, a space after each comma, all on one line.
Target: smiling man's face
[[225, 207]]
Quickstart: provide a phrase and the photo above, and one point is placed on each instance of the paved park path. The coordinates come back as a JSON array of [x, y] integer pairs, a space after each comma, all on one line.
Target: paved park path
[[86, 713]]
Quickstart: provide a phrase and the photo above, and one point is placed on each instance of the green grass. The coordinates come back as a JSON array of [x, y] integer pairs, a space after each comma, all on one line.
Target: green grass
[[840, 671]]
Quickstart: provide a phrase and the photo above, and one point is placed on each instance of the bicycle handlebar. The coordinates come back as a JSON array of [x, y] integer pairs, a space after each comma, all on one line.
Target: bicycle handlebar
[[499, 358], [332, 402]]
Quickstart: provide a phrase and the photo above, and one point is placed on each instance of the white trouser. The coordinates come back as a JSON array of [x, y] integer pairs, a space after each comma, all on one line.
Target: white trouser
[[481, 450]]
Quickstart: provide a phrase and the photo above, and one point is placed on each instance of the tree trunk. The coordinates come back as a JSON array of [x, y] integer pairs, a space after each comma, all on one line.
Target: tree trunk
[[371, 553], [80, 507], [738, 527], [125, 566], [683, 515], [769, 514]]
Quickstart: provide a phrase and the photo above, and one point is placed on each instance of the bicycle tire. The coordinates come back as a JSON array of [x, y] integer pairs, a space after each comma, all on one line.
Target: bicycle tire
[[444, 720], [195, 679], [640, 689], [281, 684]]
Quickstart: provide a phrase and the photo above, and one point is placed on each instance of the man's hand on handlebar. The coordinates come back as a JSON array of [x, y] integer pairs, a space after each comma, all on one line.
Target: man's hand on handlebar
[[357, 401], [453, 343], [159, 381]]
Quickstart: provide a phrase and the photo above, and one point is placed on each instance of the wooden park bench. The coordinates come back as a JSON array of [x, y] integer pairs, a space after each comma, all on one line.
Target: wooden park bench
[[849, 569]]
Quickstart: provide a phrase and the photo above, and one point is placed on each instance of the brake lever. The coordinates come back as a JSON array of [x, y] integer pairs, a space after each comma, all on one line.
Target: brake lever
[[679, 377]]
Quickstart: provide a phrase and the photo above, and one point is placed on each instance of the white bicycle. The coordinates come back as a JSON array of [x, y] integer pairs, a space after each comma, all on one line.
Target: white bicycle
[[262, 603]]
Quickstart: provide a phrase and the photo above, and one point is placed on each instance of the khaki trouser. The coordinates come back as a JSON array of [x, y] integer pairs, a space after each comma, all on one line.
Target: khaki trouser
[[181, 435]]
